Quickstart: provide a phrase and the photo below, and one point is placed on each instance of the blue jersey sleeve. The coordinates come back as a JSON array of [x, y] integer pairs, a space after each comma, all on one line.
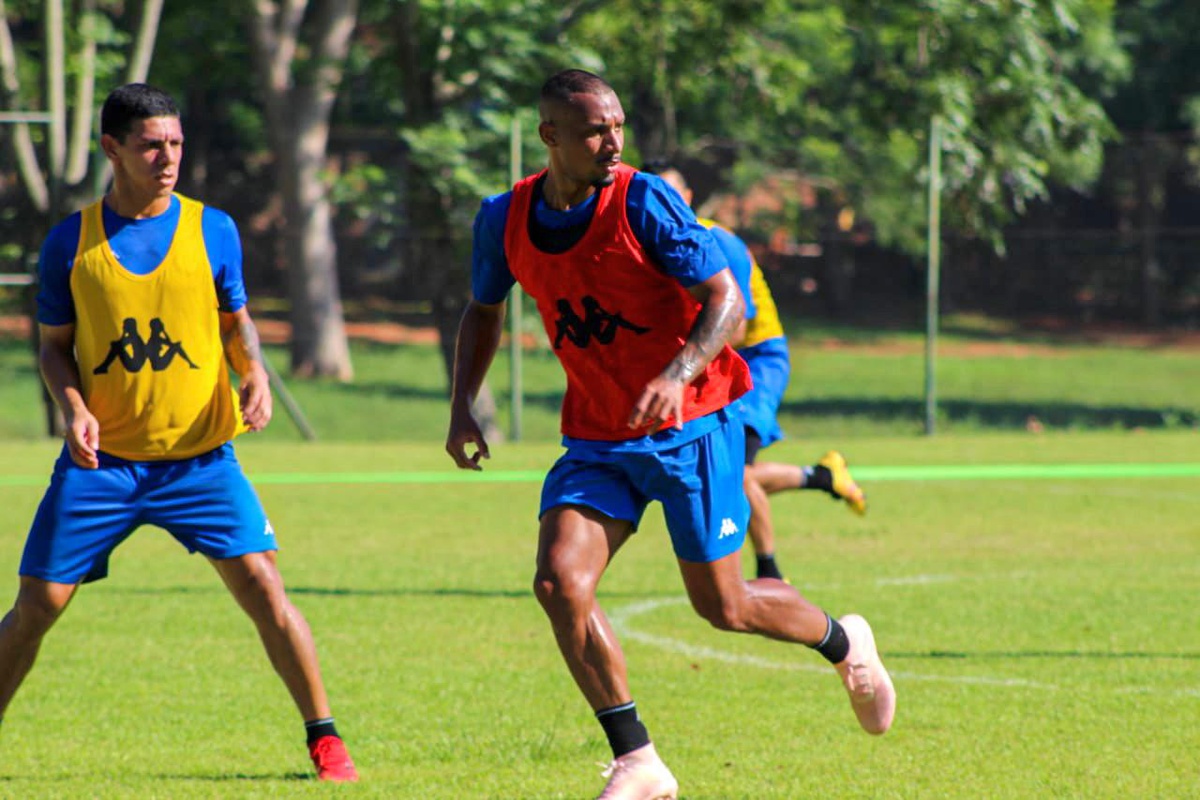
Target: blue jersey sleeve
[[55, 305], [224, 247], [738, 256], [491, 279], [668, 230]]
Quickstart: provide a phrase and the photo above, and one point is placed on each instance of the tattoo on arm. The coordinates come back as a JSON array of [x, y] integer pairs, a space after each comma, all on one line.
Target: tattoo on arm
[[712, 329], [242, 345]]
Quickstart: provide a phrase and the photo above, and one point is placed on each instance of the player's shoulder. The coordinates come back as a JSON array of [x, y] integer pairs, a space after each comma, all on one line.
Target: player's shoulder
[[217, 224], [65, 234], [652, 196], [494, 201], [217, 217], [493, 210], [649, 183]]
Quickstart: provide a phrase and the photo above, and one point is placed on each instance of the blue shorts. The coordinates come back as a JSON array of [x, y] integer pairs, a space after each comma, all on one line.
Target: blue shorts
[[699, 484], [206, 503], [770, 370]]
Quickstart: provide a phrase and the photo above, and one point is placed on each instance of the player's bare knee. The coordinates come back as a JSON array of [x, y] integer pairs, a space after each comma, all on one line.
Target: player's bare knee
[[723, 616], [33, 615], [556, 589]]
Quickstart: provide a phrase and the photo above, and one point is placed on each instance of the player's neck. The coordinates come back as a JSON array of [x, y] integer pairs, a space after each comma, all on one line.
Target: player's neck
[[562, 194], [135, 205]]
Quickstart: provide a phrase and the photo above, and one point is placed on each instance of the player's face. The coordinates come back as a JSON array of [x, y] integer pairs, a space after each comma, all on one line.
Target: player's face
[[147, 160], [587, 138]]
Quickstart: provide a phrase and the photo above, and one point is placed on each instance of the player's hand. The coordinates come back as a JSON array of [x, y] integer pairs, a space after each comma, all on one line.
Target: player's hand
[[464, 430], [83, 439], [254, 391], [661, 400]]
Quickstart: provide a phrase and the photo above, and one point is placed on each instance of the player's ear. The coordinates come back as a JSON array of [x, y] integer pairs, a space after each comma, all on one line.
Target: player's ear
[[548, 133], [109, 144]]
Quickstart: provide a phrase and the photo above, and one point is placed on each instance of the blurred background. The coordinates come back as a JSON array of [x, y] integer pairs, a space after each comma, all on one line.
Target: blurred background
[[352, 141]]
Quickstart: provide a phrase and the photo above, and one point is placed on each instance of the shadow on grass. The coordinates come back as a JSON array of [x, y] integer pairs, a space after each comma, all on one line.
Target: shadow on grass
[[223, 778], [1077, 654], [999, 414], [340, 591], [237, 777]]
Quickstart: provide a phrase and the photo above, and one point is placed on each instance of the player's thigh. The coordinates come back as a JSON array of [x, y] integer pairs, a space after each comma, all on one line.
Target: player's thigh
[[209, 505], [588, 510], [700, 488], [760, 406], [83, 515]]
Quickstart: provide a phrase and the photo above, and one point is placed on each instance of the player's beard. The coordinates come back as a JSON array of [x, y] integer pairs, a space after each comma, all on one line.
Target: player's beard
[[603, 180]]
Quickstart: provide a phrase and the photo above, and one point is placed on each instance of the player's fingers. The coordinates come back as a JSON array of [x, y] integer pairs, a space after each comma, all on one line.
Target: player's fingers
[[81, 452], [640, 414], [256, 407], [457, 448]]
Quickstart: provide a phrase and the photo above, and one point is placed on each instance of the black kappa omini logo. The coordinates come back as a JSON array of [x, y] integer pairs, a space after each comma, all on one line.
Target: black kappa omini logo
[[596, 323], [134, 352]]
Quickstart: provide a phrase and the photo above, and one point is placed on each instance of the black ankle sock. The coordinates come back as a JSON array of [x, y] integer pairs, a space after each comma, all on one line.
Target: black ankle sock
[[316, 728], [623, 728], [835, 646], [818, 477], [767, 568]]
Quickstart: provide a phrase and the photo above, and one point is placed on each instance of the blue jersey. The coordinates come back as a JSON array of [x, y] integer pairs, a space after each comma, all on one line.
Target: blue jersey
[[140, 245]]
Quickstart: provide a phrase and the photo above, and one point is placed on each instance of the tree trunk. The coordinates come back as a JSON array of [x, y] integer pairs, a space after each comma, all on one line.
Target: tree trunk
[[319, 343], [1155, 157], [299, 103]]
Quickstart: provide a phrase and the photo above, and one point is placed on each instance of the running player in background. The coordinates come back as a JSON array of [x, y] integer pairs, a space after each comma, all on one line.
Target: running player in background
[[764, 346]]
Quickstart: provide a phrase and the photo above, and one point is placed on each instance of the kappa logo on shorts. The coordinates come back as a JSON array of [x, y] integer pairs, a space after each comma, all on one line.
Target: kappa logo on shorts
[[728, 528], [268, 530]]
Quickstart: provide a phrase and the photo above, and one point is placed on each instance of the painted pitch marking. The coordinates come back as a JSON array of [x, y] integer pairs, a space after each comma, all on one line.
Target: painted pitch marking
[[621, 620]]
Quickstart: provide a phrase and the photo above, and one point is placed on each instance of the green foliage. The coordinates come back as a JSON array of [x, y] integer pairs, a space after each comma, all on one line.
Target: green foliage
[[1002, 76], [107, 27]]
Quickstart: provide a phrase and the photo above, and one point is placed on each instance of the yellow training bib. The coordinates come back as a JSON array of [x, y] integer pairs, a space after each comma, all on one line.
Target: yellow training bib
[[149, 346]]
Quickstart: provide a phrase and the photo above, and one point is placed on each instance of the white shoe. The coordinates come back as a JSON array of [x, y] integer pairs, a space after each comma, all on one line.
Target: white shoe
[[639, 775], [870, 687]]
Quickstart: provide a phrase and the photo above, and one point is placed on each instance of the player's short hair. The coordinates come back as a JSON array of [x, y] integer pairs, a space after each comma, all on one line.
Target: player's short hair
[[558, 88], [127, 104]]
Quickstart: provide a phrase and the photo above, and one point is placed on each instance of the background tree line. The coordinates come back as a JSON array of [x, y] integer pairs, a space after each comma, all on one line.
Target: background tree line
[[353, 139]]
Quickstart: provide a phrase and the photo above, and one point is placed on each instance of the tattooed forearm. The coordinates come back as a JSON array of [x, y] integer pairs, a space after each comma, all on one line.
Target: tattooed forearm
[[718, 319], [242, 346]]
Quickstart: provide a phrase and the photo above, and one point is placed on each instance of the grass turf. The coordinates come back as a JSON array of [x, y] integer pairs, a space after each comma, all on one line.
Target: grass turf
[[1041, 632]]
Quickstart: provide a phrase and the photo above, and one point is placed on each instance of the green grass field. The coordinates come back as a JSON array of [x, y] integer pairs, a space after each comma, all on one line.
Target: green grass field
[[1042, 634]]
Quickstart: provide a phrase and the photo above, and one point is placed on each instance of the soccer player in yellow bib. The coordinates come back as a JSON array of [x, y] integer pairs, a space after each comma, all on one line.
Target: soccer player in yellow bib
[[142, 311], [764, 347]]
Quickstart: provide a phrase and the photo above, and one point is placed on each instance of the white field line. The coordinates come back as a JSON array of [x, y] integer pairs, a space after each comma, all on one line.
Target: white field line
[[622, 620]]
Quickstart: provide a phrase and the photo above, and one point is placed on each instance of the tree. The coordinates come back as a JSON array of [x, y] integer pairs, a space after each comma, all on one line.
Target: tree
[[448, 78], [1159, 113], [89, 46], [63, 173], [300, 52], [843, 92]]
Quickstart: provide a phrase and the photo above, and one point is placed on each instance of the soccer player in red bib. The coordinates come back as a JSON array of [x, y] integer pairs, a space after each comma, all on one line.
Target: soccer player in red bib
[[638, 303], [142, 311]]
